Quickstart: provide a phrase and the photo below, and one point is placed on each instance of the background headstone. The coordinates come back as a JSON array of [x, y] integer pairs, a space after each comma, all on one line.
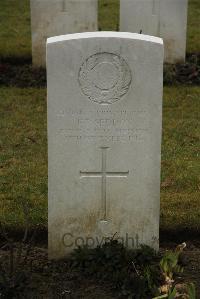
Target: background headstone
[[104, 139], [164, 18], [56, 17]]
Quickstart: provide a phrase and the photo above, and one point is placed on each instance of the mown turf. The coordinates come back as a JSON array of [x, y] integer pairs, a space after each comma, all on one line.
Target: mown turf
[[180, 159], [108, 15], [23, 154], [24, 157], [15, 32], [193, 29]]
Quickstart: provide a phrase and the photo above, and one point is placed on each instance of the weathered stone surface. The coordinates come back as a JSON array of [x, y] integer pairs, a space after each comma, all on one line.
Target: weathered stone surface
[[104, 138], [55, 17], [164, 18]]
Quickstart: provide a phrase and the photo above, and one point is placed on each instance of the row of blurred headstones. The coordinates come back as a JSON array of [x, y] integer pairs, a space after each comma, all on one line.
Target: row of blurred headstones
[[164, 18]]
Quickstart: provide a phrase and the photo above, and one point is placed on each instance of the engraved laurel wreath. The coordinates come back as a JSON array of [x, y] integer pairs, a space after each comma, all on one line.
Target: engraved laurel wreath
[[105, 78]]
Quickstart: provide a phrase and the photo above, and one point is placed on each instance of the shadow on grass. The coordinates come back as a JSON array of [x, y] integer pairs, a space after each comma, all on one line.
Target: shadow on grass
[[21, 73]]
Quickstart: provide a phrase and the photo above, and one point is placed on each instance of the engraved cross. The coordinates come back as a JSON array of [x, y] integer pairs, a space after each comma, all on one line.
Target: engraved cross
[[103, 174], [64, 6]]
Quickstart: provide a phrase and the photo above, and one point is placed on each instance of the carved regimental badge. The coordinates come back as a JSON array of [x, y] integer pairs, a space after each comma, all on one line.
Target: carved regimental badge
[[104, 78]]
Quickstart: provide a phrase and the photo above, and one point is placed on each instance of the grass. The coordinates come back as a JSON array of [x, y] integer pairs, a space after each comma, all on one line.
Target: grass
[[15, 32], [24, 157], [180, 159], [109, 15], [23, 154], [193, 30]]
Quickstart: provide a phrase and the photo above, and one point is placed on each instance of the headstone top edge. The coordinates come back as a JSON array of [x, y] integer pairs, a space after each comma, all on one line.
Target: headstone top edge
[[105, 34]]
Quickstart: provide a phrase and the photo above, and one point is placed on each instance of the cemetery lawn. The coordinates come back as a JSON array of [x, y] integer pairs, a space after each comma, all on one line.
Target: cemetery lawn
[[109, 15], [23, 158], [15, 31], [193, 30]]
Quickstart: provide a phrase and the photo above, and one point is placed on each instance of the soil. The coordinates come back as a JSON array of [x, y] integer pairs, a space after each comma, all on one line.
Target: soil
[[56, 279], [23, 75]]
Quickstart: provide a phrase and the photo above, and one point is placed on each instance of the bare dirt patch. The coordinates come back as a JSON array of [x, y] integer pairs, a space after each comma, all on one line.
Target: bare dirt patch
[[56, 279], [19, 74]]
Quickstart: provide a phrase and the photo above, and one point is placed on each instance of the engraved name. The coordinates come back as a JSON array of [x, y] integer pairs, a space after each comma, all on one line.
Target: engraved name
[[102, 125]]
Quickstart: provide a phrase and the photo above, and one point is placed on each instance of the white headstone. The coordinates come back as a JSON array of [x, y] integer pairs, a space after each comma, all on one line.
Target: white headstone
[[164, 18], [56, 17], [104, 139]]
